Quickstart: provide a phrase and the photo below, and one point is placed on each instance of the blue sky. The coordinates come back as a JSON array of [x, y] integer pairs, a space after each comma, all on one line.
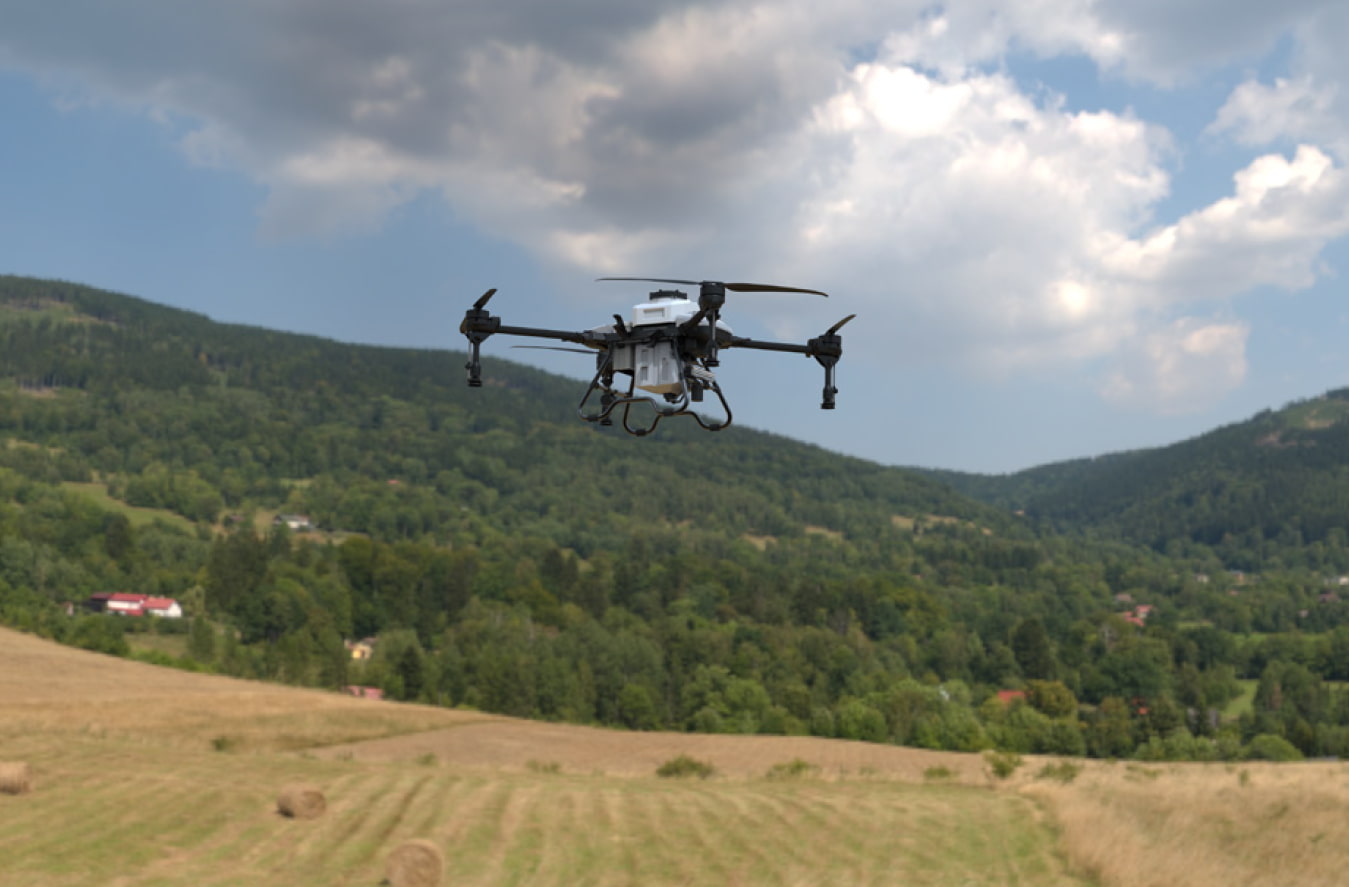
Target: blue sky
[[1068, 228]]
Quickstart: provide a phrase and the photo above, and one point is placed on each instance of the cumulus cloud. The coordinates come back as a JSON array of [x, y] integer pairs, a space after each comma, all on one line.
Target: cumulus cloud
[[1179, 367], [877, 149]]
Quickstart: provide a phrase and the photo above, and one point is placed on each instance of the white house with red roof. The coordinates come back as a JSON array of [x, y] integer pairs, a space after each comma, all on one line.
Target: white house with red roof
[[164, 607], [126, 603]]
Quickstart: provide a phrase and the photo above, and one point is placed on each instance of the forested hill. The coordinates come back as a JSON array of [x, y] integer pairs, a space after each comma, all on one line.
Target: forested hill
[[504, 555], [121, 387], [1253, 490]]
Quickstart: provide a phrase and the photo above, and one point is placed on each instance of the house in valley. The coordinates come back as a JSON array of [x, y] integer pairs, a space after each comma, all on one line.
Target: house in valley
[[125, 603], [164, 607]]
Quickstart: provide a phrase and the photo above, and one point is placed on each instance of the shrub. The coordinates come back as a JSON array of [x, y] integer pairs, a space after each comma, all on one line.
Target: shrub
[[225, 743], [935, 773], [684, 767], [1002, 764], [1268, 747], [792, 769], [1061, 771], [543, 766]]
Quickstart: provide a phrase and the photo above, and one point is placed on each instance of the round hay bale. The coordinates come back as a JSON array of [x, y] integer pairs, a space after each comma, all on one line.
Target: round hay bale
[[416, 864], [301, 802], [16, 778]]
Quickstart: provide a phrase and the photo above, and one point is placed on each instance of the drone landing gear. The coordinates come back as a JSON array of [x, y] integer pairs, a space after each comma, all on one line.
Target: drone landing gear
[[672, 404]]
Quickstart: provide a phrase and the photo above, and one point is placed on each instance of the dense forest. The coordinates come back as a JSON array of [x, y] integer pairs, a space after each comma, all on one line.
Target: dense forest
[[1183, 603], [1270, 492]]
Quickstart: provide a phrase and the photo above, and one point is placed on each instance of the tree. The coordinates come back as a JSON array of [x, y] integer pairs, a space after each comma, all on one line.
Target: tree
[[201, 641], [235, 568], [1052, 698], [1033, 651]]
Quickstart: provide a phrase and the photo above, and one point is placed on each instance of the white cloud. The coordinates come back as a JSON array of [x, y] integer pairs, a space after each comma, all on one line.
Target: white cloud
[[1296, 108], [875, 149], [1181, 367], [1268, 233]]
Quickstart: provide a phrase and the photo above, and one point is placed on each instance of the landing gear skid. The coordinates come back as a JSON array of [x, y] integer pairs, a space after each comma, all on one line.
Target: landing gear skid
[[673, 404]]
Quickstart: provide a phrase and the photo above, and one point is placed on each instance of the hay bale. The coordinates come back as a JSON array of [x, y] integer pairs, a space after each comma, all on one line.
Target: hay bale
[[16, 778], [301, 802], [416, 864]]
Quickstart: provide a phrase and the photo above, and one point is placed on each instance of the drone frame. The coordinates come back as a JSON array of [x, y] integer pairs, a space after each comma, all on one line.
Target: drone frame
[[694, 344]]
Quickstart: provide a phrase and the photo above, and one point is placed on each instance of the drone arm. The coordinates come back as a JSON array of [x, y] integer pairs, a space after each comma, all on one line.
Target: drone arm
[[788, 347], [826, 349], [586, 338], [479, 324]]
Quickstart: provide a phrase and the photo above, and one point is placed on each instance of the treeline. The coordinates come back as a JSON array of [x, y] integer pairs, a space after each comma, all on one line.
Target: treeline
[[686, 631]]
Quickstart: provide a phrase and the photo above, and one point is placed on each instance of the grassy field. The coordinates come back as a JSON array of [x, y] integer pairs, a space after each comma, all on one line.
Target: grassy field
[[148, 776], [98, 492]]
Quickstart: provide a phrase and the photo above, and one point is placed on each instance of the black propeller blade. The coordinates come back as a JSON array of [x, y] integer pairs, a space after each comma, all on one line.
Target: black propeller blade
[[585, 351], [482, 300], [733, 287], [838, 326]]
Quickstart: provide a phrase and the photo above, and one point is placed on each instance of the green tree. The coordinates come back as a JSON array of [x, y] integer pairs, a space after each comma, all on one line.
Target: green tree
[[1033, 651], [201, 641]]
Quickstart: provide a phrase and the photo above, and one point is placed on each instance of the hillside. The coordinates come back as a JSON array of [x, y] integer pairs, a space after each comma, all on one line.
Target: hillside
[[1254, 491], [496, 553], [149, 776], [128, 385]]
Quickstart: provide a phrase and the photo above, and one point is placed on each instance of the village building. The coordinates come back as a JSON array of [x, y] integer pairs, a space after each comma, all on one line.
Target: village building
[[125, 603]]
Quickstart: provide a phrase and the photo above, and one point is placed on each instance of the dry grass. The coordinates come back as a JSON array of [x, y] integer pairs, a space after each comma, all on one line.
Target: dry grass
[[46, 688], [135, 790], [1205, 824], [508, 744]]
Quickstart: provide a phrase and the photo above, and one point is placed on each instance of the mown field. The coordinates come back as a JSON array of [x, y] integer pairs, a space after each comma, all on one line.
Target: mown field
[[148, 776]]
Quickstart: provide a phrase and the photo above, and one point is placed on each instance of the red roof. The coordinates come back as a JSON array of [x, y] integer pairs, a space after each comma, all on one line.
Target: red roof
[[125, 597], [159, 603], [1006, 696]]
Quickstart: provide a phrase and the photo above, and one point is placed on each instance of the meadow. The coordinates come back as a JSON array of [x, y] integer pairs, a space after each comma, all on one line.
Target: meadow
[[149, 776]]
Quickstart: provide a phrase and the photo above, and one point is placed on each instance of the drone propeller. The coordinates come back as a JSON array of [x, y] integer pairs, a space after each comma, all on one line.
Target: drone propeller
[[733, 287], [483, 299], [838, 326], [586, 351]]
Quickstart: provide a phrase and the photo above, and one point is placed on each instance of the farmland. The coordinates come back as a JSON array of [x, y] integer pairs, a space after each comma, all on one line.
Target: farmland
[[153, 776]]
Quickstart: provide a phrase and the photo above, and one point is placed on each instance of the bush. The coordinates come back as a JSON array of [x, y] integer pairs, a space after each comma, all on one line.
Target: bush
[[1002, 764], [793, 769], [939, 772], [1268, 747], [1061, 771], [551, 767], [684, 767]]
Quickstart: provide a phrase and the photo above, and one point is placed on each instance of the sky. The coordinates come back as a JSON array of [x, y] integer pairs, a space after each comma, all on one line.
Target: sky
[[1067, 227]]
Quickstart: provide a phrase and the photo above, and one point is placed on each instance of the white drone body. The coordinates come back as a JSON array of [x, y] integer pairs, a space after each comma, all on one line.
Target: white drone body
[[656, 366]]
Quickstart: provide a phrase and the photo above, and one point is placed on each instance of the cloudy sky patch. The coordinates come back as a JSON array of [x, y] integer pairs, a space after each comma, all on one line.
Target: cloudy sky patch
[[1000, 218]]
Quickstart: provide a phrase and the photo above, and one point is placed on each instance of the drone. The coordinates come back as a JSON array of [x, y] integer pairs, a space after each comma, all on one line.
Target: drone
[[667, 352]]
